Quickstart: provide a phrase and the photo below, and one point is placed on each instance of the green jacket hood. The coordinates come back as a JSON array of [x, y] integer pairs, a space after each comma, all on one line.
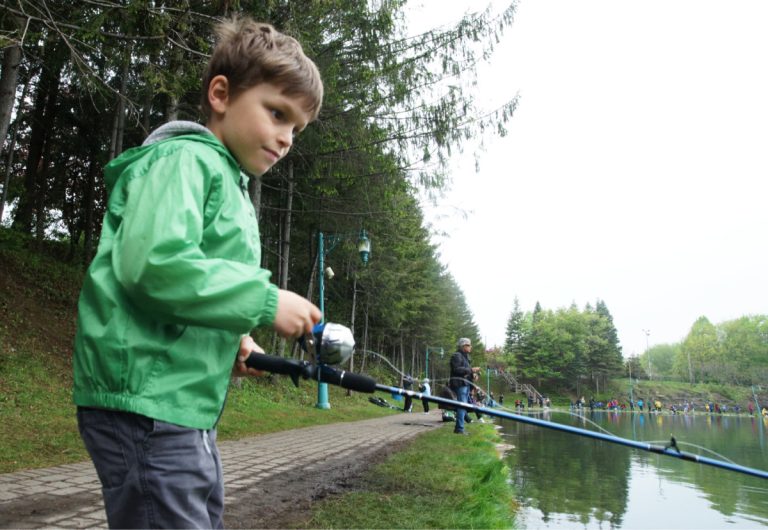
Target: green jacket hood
[[174, 129]]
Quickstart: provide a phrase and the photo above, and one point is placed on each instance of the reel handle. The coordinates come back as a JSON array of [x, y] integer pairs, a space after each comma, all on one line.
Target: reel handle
[[280, 365]]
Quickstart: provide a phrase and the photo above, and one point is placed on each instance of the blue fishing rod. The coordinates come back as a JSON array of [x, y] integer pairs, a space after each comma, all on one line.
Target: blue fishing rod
[[333, 344]]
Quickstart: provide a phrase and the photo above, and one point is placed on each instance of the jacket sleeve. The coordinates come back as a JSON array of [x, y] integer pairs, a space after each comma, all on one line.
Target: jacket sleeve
[[158, 252]]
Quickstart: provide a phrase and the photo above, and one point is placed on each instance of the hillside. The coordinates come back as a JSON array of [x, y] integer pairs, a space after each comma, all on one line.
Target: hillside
[[38, 299]]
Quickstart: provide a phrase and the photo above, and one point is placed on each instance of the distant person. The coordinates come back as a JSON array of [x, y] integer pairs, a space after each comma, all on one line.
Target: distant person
[[640, 404], [476, 397], [408, 385], [501, 399], [462, 376], [426, 390], [750, 408], [176, 286]]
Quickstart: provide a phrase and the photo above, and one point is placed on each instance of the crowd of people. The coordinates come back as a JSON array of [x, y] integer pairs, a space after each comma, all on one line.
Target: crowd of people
[[657, 406]]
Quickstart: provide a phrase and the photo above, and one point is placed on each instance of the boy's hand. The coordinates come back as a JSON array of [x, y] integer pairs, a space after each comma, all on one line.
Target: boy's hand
[[247, 345], [295, 315]]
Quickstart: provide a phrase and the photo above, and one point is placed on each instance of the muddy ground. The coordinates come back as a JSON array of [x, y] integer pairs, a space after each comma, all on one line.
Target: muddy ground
[[285, 501]]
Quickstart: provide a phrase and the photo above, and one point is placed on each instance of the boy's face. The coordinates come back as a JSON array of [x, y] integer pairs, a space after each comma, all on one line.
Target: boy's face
[[258, 125]]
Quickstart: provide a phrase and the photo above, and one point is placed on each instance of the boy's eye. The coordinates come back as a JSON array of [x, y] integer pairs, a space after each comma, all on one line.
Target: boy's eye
[[278, 114]]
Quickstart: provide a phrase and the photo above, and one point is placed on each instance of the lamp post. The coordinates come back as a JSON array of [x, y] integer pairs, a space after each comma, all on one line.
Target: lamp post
[[364, 249], [488, 383], [648, 353], [426, 357]]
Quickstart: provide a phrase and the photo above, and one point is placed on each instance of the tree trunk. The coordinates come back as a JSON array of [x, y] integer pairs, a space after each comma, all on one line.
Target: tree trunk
[[254, 192], [352, 324], [8, 83], [365, 338], [285, 241], [11, 149], [118, 124], [42, 116], [89, 214]]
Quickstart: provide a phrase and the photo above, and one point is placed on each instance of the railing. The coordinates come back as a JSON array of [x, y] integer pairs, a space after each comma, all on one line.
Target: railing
[[522, 388]]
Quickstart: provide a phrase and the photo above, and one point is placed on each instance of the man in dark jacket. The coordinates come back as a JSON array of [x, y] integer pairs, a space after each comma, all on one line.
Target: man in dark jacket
[[462, 375]]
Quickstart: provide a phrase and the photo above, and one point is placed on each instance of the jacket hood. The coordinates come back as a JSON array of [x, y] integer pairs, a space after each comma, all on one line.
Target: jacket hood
[[174, 129]]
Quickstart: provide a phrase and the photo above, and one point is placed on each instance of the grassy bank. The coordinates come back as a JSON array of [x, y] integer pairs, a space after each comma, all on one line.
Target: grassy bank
[[440, 481]]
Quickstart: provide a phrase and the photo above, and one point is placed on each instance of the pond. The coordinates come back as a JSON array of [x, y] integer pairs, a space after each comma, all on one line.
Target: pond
[[568, 481]]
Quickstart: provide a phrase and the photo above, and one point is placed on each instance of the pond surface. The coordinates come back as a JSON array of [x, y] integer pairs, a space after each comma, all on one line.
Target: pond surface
[[568, 481]]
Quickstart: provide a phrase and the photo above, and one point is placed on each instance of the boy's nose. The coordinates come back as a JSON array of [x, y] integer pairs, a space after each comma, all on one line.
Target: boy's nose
[[285, 137]]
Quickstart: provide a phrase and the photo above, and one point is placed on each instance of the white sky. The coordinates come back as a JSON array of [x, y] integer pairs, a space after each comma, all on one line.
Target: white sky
[[634, 170]]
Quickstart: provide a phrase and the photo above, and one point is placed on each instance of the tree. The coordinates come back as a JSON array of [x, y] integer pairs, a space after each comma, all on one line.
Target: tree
[[744, 350], [700, 346], [515, 334]]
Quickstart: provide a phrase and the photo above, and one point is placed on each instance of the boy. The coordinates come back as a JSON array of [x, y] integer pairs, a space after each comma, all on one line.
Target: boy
[[175, 287]]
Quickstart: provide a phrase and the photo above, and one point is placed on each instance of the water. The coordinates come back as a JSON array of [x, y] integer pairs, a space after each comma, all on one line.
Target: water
[[568, 481]]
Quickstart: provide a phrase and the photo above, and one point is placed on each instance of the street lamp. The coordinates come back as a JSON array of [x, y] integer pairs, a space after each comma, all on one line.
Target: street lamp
[[364, 250], [648, 353], [426, 358]]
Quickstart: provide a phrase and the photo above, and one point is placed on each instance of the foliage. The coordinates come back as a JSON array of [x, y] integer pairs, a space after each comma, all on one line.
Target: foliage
[[563, 347], [733, 352], [100, 75]]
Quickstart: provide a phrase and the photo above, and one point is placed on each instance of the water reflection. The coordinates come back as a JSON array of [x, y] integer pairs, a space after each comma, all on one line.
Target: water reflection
[[565, 481]]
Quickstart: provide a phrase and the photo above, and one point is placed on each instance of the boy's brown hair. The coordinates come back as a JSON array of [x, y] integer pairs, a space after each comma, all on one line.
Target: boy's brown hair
[[249, 53]]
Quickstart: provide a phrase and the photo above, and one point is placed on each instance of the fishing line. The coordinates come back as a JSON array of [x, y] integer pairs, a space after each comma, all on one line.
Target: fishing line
[[700, 447]]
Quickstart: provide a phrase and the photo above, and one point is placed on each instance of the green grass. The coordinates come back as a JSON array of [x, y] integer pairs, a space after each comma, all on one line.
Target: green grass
[[39, 427], [439, 481]]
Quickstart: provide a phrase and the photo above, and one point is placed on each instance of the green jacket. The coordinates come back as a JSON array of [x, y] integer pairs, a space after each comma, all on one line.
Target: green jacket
[[175, 283]]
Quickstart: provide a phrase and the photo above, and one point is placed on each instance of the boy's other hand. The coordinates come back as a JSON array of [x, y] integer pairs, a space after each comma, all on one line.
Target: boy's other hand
[[295, 315], [247, 345]]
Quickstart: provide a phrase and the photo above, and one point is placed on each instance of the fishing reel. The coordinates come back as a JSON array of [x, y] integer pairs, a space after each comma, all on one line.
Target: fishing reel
[[329, 344]]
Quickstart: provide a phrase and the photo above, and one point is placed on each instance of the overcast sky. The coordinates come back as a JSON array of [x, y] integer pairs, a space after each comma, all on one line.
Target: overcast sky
[[634, 170]]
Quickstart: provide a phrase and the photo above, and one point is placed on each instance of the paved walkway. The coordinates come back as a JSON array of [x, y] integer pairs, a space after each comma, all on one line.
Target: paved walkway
[[69, 496]]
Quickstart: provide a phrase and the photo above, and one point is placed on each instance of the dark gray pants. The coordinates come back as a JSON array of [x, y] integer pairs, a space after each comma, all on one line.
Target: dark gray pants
[[154, 474]]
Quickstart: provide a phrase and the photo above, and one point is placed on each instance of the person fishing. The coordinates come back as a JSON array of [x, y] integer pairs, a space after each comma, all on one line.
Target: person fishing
[[176, 287], [408, 385], [426, 391], [462, 376]]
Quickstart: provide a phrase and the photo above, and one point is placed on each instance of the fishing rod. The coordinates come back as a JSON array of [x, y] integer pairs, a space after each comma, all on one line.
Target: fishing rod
[[333, 344]]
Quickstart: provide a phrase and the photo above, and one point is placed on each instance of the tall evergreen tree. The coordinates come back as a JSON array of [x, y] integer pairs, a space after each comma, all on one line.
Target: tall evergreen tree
[[514, 339]]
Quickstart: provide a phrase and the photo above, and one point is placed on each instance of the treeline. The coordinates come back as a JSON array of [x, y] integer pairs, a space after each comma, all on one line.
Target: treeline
[[568, 349], [733, 352], [82, 81]]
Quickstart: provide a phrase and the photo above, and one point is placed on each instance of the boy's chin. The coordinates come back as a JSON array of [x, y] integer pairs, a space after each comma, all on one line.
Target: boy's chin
[[256, 170]]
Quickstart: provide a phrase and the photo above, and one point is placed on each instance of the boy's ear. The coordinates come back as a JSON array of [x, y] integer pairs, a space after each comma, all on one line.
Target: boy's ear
[[218, 93]]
